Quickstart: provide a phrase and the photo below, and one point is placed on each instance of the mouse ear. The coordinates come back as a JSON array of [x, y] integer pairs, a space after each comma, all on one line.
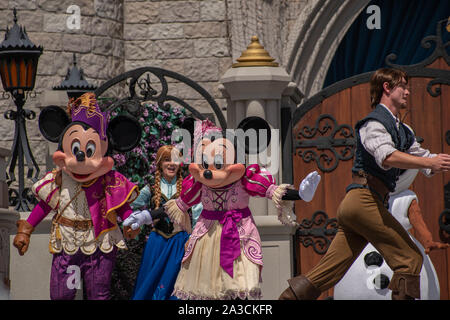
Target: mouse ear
[[261, 133], [189, 125], [124, 133], [186, 141], [52, 122]]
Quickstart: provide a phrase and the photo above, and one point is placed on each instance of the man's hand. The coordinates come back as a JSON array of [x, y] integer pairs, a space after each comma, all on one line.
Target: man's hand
[[421, 231], [130, 233], [403, 160], [440, 163], [433, 245]]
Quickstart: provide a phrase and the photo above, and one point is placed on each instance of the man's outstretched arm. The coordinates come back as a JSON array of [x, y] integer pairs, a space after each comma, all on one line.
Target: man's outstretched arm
[[402, 160]]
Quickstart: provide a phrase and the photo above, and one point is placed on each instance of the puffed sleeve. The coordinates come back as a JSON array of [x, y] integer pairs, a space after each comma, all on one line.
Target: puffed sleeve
[[190, 195], [260, 183], [47, 190], [143, 200]]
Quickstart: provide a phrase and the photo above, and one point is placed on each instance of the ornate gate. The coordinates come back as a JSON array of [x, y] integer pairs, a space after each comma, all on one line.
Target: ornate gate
[[324, 140], [152, 84]]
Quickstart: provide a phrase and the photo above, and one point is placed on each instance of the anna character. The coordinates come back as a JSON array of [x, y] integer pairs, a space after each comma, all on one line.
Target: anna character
[[165, 245]]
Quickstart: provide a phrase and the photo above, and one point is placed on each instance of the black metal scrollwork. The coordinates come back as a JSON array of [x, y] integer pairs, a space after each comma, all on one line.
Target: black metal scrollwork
[[317, 232], [438, 76], [14, 197], [444, 217], [21, 154], [142, 86], [419, 69], [5, 95], [338, 140], [444, 221]]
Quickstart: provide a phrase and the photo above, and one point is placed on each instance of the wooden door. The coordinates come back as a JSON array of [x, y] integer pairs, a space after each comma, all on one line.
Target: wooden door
[[324, 140]]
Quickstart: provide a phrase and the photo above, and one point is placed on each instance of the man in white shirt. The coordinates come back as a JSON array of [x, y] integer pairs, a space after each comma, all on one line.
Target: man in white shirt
[[384, 146]]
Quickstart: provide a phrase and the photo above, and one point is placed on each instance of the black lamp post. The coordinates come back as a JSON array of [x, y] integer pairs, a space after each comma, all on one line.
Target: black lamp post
[[18, 66], [74, 83]]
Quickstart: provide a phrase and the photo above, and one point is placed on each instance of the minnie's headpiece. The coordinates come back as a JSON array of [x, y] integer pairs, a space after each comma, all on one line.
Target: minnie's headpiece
[[202, 129]]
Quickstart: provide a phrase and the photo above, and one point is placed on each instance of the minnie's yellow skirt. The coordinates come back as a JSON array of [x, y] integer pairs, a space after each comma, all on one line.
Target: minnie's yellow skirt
[[201, 276]]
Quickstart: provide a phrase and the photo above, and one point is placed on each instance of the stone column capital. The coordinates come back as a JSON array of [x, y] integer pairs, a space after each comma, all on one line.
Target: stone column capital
[[250, 83]]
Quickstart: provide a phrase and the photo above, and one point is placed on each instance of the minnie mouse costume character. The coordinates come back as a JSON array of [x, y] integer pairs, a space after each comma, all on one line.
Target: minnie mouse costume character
[[223, 256], [86, 194]]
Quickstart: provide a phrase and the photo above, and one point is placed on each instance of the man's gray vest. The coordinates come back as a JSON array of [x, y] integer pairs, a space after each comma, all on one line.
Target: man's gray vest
[[402, 137]]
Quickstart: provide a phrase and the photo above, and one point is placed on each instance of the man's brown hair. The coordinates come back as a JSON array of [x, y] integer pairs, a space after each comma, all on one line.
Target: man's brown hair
[[392, 76]]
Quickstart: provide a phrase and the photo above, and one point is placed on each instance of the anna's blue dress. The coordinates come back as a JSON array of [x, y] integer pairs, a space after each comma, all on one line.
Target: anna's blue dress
[[163, 252]]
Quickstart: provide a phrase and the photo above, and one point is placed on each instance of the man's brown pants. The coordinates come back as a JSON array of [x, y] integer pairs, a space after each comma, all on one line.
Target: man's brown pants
[[362, 218]]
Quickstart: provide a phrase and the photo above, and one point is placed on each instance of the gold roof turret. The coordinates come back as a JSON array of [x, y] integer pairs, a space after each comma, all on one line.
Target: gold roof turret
[[255, 56]]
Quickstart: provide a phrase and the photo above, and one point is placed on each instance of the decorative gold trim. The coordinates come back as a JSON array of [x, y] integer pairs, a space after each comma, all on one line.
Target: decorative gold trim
[[255, 56], [106, 230], [89, 183], [110, 211]]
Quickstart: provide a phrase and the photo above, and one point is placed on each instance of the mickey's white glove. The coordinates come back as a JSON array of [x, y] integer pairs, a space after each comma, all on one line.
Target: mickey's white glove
[[138, 219], [308, 186]]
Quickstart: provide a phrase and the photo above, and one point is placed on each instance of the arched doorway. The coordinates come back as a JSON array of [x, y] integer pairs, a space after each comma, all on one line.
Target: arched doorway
[[317, 34]]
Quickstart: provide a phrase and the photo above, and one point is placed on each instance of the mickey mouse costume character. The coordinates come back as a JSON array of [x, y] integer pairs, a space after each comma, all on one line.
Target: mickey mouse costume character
[[86, 194], [223, 256]]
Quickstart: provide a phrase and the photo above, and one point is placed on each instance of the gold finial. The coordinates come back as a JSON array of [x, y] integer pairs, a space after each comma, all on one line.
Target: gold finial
[[255, 56], [448, 24]]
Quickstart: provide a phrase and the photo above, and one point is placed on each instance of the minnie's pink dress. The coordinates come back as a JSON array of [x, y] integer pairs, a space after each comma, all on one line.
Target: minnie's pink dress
[[223, 256]]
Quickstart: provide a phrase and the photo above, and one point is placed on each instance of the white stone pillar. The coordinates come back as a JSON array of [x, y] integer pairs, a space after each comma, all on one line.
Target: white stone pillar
[[254, 87], [30, 273], [8, 220]]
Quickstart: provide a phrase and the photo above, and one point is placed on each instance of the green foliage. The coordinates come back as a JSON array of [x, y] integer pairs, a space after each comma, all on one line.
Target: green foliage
[[138, 165]]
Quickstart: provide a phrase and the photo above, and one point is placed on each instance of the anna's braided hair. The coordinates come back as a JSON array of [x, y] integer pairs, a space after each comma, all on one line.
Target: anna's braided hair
[[164, 154]]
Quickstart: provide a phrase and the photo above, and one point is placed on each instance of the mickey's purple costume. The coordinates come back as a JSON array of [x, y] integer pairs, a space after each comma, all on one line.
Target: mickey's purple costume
[[86, 195]]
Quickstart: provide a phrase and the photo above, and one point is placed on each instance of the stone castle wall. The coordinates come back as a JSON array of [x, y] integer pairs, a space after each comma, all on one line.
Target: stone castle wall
[[198, 39], [98, 46]]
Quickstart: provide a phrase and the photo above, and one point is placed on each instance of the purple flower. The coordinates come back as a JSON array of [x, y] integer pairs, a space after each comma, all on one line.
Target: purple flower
[[119, 159]]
